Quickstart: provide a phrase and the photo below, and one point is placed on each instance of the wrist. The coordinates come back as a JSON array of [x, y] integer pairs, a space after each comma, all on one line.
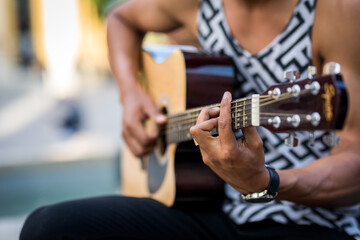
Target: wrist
[[269, 193], [274, 181], [129, 91], [258, 182]]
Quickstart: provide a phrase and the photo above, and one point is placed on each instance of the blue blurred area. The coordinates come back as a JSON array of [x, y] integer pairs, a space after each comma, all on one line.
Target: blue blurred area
[[62, 150], [23, 188], [59, 107], [54, 148]]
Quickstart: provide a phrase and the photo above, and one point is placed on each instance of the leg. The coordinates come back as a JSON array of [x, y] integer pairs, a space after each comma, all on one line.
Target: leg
[[135, 218], [123, 218]]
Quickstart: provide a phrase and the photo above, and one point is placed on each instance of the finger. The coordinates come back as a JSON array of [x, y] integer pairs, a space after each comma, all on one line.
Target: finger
[[137, 131], [226, 133], [207, 113], [252, 138], [202, 132], [136, 148], [206, 126]]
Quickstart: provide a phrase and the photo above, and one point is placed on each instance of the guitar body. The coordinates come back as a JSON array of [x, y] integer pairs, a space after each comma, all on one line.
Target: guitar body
[[175, 173]]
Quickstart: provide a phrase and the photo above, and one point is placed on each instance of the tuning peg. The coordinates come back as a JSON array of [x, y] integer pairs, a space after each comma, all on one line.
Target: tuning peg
[[311, 71], [291, 140], [291, 75], [332, 68], [331, 139], [311, 138]]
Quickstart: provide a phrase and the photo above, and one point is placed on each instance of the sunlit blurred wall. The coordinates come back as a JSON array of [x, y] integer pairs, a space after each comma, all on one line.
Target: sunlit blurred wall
[[69, 39], [8, 33], [60, 35], [93, 50], [37, 30]]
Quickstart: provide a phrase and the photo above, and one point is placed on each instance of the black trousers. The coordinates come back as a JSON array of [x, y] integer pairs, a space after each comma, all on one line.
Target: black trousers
[[116, 217]]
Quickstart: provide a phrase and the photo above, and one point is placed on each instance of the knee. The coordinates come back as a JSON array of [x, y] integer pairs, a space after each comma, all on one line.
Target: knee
[[31, 228], [43, 223]]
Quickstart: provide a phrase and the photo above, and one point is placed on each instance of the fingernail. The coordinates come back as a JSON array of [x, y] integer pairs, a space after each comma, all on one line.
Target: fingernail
[[195, 142], [226, 95], [160, 118]]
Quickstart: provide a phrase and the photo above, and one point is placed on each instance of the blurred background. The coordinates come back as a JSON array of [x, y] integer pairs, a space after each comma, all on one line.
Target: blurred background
[[59, 110]]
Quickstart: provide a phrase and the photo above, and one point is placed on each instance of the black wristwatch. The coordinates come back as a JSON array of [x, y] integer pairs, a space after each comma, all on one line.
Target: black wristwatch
[[269, 193]]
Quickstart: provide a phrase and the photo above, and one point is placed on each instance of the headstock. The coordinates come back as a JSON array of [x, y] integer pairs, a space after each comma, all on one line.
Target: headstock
[[315, 103]]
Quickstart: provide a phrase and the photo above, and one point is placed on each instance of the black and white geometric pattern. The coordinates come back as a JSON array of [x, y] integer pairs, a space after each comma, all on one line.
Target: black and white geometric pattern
[[255, 73]]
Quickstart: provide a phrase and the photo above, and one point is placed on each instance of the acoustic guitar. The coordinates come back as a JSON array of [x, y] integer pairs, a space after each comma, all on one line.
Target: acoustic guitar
[[185, 80]]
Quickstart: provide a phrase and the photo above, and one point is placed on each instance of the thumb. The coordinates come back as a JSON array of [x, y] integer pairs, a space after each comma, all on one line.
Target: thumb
[[154, 114]]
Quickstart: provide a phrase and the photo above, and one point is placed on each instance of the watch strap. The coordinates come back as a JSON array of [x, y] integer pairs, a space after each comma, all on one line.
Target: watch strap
[[274, 182], [269, 193]]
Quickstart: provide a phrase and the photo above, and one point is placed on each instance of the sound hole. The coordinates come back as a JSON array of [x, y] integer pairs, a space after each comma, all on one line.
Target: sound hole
[[162, 143], [158, 160]]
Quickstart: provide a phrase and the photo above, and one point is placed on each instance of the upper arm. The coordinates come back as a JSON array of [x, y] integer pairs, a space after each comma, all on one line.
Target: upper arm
[[337, 35], [155, 15]]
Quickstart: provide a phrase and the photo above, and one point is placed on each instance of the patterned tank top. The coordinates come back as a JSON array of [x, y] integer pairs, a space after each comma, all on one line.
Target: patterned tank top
[[291, 49]]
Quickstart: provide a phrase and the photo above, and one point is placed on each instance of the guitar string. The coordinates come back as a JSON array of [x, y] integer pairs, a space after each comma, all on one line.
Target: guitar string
[[238, 109], [235, 110], [239, 120], [184, 134], [187, 114], [190, 120], [234, 124], [265, 100], [198, 109]]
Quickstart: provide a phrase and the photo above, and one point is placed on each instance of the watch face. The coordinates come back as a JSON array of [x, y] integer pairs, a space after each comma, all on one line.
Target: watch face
[[269, 193], [260, 200]]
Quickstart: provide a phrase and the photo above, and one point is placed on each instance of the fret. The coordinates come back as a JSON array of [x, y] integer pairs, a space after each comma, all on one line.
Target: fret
[[242, 110], [243, 114], [255, 110]]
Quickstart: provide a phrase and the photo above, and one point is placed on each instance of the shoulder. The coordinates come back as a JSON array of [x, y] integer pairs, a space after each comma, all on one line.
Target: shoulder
[[337, 26], [167, 14], [337, 8], [336, 32], [339, 5], [336, 35], [177, 9], [339, 13]]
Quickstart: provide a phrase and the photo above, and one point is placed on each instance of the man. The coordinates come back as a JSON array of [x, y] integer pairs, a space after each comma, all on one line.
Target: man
[[264, 38]]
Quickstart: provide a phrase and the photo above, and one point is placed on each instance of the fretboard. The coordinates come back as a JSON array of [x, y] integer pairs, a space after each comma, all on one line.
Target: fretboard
[[244, 113]]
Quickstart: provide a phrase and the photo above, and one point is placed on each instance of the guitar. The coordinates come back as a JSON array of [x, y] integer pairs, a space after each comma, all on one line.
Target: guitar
[[174, 172]]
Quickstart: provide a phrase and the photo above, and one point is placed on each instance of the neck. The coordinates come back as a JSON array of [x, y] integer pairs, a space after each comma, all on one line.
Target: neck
[[253, 3], [273, 5]]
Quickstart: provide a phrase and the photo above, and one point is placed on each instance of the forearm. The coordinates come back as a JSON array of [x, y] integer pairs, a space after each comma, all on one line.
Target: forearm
[[332, 181], [124, 44]]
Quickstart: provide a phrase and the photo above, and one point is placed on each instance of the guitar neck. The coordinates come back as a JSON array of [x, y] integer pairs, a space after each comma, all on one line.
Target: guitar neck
[[244, 113], [307, 105]]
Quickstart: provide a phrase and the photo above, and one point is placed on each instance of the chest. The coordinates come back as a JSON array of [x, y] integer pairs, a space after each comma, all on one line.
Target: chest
[[255, 27], [261, 45]]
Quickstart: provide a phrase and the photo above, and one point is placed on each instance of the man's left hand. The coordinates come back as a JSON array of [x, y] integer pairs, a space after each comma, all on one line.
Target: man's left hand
[[239, 162]]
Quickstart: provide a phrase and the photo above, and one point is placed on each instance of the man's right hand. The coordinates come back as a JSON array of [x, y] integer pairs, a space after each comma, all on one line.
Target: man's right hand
[[137, 108], [127, 24]]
